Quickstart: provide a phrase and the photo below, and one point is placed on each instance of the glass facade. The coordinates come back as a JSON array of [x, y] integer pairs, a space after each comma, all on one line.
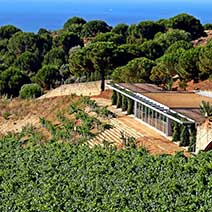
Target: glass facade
[[152, 117]]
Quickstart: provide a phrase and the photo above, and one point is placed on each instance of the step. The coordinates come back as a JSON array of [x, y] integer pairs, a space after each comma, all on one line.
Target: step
[[128, 129], [105, 138], [129, 132], [114, 137]]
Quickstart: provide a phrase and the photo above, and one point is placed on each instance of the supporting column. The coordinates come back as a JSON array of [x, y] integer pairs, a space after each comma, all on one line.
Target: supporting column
[[168, 126], [156, 118], [135, 109], [142, 112]]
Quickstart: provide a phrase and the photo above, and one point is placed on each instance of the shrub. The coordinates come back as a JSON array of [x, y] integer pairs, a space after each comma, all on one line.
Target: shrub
[[104, 112], [119, 101], [6, 115], [130, 106], [184, 136], [30, 91], [114, 98], [176, 132], [124, 103], [192, 145]]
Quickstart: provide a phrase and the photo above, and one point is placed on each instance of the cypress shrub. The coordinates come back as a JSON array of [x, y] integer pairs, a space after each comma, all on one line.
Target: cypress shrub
[[192, 145], [130, 106], [176, 132], [92, 76], [124, 103], [119, 100], [114, 98], [184, 136]]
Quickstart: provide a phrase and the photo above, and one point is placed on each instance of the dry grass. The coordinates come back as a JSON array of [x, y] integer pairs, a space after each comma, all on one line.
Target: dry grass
[[28, 112]]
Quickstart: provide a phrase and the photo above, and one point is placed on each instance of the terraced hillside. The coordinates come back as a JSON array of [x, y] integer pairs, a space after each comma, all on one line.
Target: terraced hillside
[[16, 114]]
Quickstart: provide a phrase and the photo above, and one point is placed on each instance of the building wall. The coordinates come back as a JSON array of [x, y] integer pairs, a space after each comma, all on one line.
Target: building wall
[[204, 136]]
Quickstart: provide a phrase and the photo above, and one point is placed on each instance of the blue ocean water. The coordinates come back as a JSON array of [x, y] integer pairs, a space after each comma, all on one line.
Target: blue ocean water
[[52, 14]]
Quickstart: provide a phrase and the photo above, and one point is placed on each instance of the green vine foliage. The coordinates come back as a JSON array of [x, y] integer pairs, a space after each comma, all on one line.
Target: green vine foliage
[[67, 177]]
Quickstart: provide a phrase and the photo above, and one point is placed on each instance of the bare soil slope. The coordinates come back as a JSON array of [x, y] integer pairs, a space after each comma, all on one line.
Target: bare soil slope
[[16, 113]]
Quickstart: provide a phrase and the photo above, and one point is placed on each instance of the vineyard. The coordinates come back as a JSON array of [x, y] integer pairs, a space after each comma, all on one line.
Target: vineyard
[[53, 168], [60, 176]]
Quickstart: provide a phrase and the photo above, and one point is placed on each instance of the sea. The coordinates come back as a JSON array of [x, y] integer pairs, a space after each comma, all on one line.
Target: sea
[[31, 15]]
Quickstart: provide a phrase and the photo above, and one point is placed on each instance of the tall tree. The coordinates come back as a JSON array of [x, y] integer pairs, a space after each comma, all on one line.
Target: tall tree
[[92, 28], [75, 25], [181, 44], [188, 23], [171, 36], [160, 74], [47, 76], [121, 29], [28, 62], [189, 64], [23, 41], [137, 70], [118, 39], [102, 56], [6, 32], [67, 40], [11, 81], [148, 29], [55, 56], [74, 20], [152, 49], [205, 58]]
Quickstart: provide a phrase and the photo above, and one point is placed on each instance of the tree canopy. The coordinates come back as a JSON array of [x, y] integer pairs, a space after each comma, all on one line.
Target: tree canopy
[[8, 31], [11, 81], [188, 23], [92, 28], [47, 76], [87, 49], [137, 70], [28, 62], [67, 40], [55, 56], [23, 41]]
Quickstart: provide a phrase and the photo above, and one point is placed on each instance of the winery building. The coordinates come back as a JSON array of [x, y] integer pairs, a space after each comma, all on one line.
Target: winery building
[[168, 112]]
